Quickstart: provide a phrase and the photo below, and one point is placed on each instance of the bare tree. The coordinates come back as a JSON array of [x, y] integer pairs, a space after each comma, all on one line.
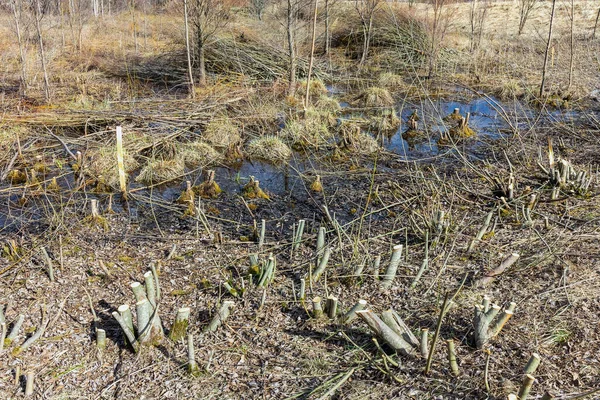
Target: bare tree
[[596, 25], [477, 16], [526, 7], [366, 11], [76, 21], [572, 55], [188, 49], [312, 54], [290, 28], [544, 69], [439, 25], [17, 8], [38, 26], [207, 18], [327, 26]]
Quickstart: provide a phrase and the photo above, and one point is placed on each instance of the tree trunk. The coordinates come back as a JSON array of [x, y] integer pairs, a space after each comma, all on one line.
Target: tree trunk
[[17, 15], [201, 64], [187, 48], [312, 56], [38, 27], [327, 33], [133, 22], [596, 25], [571, 61], [291, 50], [547, 49], [367, 38]]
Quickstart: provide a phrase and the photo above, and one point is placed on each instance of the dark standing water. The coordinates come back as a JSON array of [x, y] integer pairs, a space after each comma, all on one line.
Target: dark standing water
[[488, 119]]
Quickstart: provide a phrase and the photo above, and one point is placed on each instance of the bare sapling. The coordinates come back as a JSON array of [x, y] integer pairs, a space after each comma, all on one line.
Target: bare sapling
[[388, 334], [220, 317], [38, 25], [547, 52], [525, 9], [484, 328], [366, 10], [390, 273], [148, 330]]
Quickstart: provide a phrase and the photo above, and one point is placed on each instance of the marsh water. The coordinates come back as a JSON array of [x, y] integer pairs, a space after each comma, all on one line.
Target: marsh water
[[490, 118]]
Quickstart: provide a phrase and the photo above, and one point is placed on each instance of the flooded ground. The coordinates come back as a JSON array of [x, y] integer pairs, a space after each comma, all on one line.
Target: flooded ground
[[490, 118]]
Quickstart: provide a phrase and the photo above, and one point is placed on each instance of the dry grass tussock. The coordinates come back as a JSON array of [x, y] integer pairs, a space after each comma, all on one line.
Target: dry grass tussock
[[268, 148], [375, 97], [103, 164], [161, 171], [198, 153], [312, 131], [222, 133], [354, 140]]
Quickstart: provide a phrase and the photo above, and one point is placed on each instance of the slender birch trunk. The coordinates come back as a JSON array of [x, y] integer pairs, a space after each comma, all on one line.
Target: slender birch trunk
[[38, 18], [291, 51], [544, 70], [17, 16], [188, 50], [572, 59], [312, 56]]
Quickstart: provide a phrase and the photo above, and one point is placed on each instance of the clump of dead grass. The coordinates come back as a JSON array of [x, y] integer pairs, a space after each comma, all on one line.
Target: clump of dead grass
[[222, 133], [159, 171], [268, 148], [390, 81], [310, 131], [317, 88], [199, 153], [385, 122], [328, 104], [375, 97], [103, 164]]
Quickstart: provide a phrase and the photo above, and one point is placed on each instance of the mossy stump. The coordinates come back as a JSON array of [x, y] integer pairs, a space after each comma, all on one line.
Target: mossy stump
[[317, 185], [252, 190], [462, 129], [17, 177], [179, 328], [454, 115], [209, 189]]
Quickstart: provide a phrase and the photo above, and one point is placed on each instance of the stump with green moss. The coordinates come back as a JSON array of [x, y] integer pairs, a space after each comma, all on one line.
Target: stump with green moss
[[209, 189], [252, 190], [462, 129]]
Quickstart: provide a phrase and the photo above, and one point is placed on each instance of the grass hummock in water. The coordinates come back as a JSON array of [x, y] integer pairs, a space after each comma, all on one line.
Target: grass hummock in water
[[159, 171], [354, 140], [390, 81], [222, 133], [375, 97], [199, 153], [103, 163], [311, 131], [385, 122], [268, 148]]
